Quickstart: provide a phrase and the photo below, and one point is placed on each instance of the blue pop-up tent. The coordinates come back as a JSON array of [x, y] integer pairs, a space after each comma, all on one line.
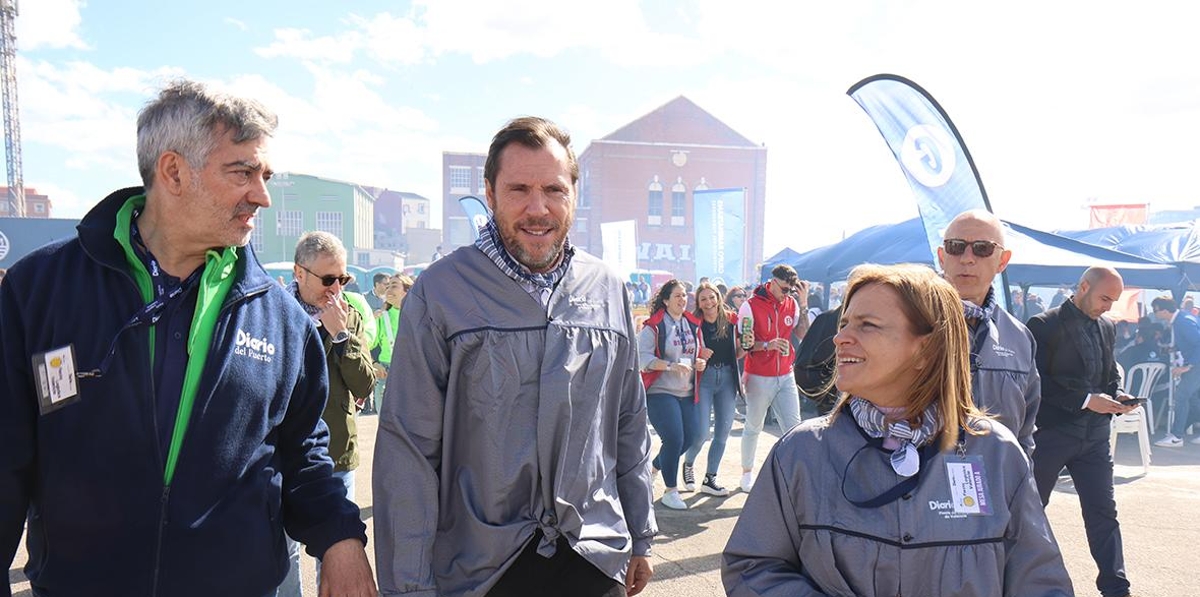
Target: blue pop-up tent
[[1039, 258], [1173, 244]]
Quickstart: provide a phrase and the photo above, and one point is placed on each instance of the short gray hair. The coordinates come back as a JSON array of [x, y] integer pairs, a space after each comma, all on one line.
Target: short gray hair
[[313, 245], [186, 118]]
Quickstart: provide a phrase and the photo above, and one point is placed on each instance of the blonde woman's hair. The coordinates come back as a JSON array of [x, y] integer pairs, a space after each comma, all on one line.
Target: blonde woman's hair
[[723, 324], [933, 310]]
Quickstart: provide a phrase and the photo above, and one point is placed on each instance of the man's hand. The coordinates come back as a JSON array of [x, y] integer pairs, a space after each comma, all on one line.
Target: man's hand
[[1104, 404], [380, 372], [639, 574], [334, 315], [345, 571], [778, 344]]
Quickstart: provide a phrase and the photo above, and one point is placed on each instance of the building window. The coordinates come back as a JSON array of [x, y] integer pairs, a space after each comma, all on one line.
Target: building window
[[678, 205], [420, 208], [655, 206], [583, 188], [460, 179], [289, 223], [331, 222], [256, 239], [482, 180], [39, 208]]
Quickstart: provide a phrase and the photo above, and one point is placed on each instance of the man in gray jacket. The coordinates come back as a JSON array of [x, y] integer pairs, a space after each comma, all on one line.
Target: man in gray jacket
[[512, 456], [1004, 377]]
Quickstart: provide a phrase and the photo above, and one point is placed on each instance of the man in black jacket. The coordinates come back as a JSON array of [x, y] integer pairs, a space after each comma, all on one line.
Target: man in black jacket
[[1080, 393]]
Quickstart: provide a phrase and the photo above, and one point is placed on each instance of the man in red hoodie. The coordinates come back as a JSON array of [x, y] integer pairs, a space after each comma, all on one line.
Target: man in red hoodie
[[779, 309]]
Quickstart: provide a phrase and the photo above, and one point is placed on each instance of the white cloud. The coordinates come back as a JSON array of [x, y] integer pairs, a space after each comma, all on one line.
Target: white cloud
[[49, 24], [241, 26], [299, 44]]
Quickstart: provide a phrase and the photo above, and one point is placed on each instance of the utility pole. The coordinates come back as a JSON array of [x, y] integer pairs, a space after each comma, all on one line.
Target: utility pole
[[12, 118]]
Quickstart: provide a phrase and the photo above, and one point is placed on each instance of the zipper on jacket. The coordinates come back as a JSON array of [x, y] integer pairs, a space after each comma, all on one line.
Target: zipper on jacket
[[162, 527]]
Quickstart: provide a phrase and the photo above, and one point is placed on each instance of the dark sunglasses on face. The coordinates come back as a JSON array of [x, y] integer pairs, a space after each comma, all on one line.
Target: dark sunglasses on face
[[981, 248], [330, 279]]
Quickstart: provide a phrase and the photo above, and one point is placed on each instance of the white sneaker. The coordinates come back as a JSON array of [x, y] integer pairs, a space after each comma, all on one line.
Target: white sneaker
[[672, 500], [1169, 441], [747, 481], [1195, 440]]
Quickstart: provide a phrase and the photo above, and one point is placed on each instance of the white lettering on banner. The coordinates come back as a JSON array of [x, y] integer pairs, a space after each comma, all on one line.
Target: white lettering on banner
[[644, 251], [718, 219], [664, 252], [258, 349]]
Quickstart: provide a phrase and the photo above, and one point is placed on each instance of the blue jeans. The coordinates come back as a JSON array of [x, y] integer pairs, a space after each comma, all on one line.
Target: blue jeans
[[293, 584], [1186, 394], [718, 392], [675, 421]]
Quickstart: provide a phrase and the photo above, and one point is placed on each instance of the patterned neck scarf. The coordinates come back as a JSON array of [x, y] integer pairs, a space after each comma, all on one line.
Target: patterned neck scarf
[[973, 311], [905, 460], [537, 285], [313, 312]]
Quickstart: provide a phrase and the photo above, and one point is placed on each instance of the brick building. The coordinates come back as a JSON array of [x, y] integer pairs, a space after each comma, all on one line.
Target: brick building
[[36, 205], [647, 171]]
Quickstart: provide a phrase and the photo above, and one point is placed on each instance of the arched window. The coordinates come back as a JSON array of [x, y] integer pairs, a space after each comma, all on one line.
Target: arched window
[[678, 202], [655, 204]]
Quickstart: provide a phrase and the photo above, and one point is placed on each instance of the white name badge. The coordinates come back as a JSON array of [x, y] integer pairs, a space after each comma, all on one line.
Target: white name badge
[[968, 485], [54, 378]]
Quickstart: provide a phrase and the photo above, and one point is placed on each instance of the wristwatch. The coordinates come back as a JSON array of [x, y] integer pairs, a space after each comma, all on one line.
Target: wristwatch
[[341, 336]]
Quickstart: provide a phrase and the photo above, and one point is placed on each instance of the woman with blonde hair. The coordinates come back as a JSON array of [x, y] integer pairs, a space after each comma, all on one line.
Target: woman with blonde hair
[[386, 325], [719, 387], [905, 487]]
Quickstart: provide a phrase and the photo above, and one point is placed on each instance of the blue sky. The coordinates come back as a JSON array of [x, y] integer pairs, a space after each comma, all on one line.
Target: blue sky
[[1061, 104]]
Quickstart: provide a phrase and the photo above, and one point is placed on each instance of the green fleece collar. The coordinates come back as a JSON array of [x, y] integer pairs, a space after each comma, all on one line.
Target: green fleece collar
[[215, 283]]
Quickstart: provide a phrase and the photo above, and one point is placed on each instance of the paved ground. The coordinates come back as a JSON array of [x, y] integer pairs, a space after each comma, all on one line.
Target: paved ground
[[1159, 512]]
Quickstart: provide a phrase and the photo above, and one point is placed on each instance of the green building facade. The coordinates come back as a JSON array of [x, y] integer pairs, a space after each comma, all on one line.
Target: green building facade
[[301, 203]]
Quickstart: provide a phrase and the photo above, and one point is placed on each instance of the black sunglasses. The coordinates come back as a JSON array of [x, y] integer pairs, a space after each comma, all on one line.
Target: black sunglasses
[[981, 248], [330, 279]]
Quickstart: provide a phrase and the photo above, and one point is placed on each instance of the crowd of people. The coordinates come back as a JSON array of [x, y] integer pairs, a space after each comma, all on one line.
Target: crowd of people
[[193, 428]]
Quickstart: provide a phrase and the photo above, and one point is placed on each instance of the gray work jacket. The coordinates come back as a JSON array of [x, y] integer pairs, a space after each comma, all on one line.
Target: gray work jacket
[[799, 535], [1004, 377], [502, 417]]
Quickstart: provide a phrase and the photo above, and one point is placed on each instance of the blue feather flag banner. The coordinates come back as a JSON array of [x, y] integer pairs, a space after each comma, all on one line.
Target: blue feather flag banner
[[930, 151], [477, 214]]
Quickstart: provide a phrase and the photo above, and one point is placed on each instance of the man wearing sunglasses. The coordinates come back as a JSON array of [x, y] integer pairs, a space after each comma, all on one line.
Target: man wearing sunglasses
[[1004, 377], [318, 284]]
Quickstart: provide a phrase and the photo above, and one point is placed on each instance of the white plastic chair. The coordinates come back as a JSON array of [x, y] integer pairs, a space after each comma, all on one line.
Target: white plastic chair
[[1141, 382], [1133, 421]]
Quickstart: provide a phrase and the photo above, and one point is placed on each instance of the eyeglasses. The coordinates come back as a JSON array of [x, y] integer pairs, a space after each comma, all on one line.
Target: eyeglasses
[[330, 279], [784, 287], [981, 248]]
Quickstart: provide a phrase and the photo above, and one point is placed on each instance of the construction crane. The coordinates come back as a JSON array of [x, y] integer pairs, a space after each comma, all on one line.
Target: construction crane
[[12, 120]]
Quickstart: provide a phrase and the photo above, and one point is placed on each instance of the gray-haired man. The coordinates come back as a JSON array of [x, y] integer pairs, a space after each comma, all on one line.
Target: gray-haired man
[[160, 440]]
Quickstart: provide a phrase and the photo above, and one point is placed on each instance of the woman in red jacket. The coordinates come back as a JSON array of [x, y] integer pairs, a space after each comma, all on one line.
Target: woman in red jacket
[[669, 348]]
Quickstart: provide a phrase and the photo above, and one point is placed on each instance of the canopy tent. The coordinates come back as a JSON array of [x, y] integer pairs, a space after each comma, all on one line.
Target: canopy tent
[[1039, 258], [1173, 244]]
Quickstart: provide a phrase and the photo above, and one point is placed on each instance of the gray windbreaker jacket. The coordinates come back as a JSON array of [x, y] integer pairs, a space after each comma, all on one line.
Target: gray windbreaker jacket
[[1005, 380], [800, 536], [502, 417]]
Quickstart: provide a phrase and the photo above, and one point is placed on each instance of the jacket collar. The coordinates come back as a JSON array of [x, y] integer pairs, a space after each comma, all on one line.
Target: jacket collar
[[96, 236]]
